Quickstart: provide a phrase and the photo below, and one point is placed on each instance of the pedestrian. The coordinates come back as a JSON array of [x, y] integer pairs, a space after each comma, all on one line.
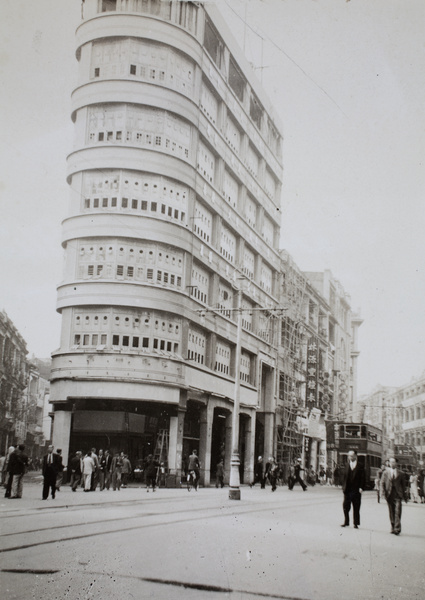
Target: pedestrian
[[2, 463], [126, 469], [296, 476], [195, 466], [59, 476], [271, 472], [322, 476], [95, 474], [76, 470], [337, 478], [116, 467], [353, 483], [150, 471], [7, 476], [414, 488], [219, 474], [18, 463], [51, 465], [102, 470], [259, 473], [108, 464], [161, 475], [393, 487], [421, 485], [89, 467]]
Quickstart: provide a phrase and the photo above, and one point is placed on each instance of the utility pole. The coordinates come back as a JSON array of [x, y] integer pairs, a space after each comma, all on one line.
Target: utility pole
[[234, 482]]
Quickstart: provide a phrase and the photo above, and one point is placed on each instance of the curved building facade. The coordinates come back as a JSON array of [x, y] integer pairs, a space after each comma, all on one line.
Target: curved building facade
[[175, 180]]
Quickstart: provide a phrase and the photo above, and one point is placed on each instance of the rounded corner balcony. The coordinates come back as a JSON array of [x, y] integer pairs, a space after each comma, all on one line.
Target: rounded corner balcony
[[140, 24]]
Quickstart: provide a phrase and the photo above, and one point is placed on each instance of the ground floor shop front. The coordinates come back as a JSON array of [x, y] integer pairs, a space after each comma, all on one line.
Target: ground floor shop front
[[168, 431]]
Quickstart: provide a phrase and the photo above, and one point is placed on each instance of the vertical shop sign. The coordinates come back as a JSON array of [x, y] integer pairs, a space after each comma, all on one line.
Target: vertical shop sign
[[312, 373]]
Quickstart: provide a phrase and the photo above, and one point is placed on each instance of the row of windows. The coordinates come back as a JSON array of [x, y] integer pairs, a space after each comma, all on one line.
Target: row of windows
[[100, 342], [137, 183], [130, 272], [171, 327], [186, 15], [158, 142], [148, 254], [134, 204]]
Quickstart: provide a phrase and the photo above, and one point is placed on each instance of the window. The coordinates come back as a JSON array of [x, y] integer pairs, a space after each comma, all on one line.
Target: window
[[109, 5], [90, 270], [105, 202], [103, 339], [125, 340], [115, 340], [101, 136], [124, 202], [120, 270], [236, 81], [96, 203], [114, 202], [130, 271], [135, 343], [213, 44], [87, 203], [134, 204], [132, 69], [97, 72], [77, 339]]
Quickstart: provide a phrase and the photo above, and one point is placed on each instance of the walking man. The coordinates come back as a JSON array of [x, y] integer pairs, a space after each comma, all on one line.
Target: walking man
[[297, 476], [353, 482], [51, 466], [76, 464], [18, 463], [393, 487]]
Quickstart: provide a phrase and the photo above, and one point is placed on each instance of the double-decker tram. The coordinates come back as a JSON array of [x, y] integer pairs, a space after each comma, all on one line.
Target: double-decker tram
[[407, 457], [366, 440]]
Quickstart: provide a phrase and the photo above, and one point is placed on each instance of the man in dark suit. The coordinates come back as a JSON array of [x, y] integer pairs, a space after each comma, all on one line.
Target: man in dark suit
[[353, 482], [51, 465], [393, 487]]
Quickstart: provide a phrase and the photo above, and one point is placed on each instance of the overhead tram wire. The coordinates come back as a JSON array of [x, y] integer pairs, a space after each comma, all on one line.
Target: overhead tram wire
[[267, 38]]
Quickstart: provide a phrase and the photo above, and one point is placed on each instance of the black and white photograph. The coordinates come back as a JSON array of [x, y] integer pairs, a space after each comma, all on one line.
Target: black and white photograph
[[212, 302]]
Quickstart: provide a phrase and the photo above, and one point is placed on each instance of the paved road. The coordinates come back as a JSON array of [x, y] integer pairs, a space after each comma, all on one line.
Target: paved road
[[200, 545]]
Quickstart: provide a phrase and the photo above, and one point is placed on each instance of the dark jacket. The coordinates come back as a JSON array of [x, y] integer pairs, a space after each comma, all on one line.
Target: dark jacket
[[353, 480], [17, 462], [76, 465], [55, 466]]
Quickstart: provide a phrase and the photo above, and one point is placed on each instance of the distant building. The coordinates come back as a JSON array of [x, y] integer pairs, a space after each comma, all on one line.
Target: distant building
[[13, 380], [400, 412]]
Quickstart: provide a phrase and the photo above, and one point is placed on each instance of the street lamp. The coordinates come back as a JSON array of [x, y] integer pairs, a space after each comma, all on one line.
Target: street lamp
[[234, 479]]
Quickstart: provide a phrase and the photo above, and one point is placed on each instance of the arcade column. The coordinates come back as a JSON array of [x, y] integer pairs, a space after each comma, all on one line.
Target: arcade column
[[62, 432], [207, 416]]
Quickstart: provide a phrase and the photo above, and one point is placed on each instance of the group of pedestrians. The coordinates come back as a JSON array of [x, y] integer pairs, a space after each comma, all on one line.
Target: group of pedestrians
[[13, 470], [102, 469], [392, 487]]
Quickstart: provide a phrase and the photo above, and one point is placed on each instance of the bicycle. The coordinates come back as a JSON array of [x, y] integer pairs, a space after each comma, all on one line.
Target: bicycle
[[192, 481]]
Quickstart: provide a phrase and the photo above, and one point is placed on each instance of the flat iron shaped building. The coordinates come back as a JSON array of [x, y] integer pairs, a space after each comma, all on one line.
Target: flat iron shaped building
[[175, 181]]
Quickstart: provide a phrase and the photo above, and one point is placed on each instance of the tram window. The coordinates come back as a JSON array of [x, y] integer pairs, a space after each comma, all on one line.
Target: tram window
[[352, 431], [363, 430]]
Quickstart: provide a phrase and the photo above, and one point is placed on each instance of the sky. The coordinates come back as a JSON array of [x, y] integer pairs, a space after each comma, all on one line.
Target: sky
[[347, 80]]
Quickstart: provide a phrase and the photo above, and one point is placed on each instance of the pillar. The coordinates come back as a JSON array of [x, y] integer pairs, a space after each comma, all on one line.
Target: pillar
[[249, 449], [175, 448], [62, 432], [268, 435], [207, 416], [228, 449]]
